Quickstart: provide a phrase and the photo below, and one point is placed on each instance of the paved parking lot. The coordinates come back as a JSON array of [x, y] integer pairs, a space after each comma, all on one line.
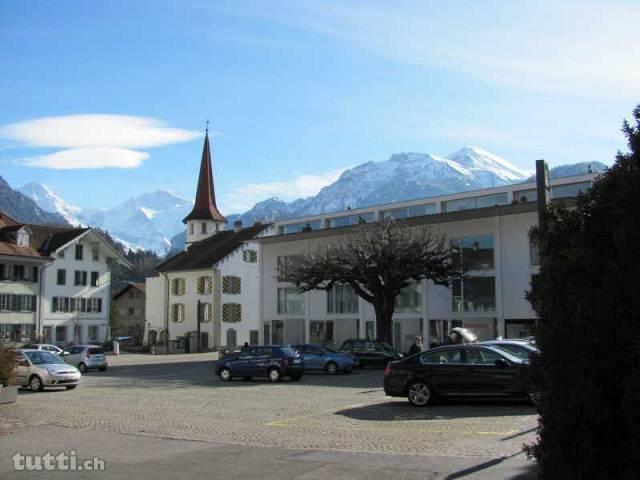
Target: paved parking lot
[[345, 413]]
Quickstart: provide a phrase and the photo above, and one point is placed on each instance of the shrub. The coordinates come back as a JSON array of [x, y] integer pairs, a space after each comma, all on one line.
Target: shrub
[[8, 364], [589, 332]]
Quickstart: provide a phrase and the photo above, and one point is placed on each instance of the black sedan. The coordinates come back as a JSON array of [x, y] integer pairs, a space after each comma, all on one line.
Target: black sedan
[[458, 371], [370, 353]]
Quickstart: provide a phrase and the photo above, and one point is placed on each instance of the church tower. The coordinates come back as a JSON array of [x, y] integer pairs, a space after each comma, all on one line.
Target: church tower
[[204, 220]]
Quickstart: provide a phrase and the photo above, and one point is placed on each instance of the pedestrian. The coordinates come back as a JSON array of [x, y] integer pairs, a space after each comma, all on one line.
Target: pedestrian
[[245, 347], [417, 346]]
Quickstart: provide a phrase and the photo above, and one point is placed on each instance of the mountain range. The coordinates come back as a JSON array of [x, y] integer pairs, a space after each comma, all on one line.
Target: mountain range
[[157, 216]]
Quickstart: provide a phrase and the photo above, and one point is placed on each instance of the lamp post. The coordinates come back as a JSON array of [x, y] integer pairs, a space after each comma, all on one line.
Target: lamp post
[[198, 320]]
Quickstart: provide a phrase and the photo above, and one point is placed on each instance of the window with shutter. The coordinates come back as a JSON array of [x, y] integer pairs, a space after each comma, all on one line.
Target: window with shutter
[[231, 285], [177, 312], [94, 279], [231, 312], [205, 285], [207, 312], [178, 286], [78, 252], [34, 274], [5, 301], [62, 277], [250, 256]]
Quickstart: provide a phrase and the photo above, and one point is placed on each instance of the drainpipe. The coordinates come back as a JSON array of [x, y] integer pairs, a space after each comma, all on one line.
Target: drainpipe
[[166, 312], [39, 326]]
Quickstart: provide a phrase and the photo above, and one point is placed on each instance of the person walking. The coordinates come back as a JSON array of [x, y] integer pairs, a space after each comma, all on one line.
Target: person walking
[[417, 346]]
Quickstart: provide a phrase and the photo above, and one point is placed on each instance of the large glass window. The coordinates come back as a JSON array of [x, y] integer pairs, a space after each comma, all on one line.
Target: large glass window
[[278, 332], [534, 252], [473, 294], [347, 220], [290, 301], [524, 196], [475, 202], [301, 227], [288, 264], [321, 332], [570, 190], [473, 252], [410, 298], [342, 299]]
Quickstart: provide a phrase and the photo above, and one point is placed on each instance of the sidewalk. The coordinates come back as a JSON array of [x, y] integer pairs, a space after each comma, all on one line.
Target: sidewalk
[[149, 359]]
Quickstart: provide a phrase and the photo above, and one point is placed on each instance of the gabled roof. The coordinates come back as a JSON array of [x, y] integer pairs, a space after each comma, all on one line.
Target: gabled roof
[[8, 245], [206, 253], [205, 205], [138, 286], [47, 239], [7, 221]]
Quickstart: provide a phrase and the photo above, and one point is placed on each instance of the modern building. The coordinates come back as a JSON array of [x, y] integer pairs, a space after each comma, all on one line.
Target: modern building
[[66, 271], [488, 229], [129, 309], [209, 291]]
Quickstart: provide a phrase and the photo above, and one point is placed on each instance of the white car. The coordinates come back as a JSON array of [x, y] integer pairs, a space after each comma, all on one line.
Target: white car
[[47, 347], [39, 369]]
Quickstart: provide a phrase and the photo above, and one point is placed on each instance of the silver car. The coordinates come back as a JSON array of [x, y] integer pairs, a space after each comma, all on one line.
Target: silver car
[[86, 357], [46, 347], [38, 369]]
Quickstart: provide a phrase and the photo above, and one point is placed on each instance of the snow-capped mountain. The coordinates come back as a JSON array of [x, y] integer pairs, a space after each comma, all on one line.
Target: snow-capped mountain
[[147, 221], [49, 201], [152, 220]]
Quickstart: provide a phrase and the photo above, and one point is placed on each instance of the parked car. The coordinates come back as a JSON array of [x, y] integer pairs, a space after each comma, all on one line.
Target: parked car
[[520, 348], [87, 357], [273, 362], [319, 358], [459, 370], [370, 353], [46, 347], [39, 369]]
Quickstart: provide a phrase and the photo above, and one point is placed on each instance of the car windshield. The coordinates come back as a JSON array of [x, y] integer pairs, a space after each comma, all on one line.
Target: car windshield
[[43, 358]]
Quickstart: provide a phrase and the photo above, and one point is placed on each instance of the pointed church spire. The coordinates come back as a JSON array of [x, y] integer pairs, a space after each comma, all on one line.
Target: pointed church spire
[[205, 205]]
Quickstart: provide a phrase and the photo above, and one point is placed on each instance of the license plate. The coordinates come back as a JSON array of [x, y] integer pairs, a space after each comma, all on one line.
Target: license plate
[[297, 360]]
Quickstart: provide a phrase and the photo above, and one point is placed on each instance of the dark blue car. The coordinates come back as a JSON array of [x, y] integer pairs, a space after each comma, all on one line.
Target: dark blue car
[[319, 358], [273, 362]]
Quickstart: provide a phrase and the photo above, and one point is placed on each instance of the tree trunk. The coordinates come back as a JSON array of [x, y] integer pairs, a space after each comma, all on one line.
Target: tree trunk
[[384, 314]]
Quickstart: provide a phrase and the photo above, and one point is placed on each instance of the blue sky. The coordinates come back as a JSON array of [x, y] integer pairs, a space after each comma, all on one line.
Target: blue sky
[[105, 100]]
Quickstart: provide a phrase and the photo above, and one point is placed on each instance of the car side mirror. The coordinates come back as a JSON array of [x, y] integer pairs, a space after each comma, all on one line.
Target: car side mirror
[[64, 354], [501, 363]]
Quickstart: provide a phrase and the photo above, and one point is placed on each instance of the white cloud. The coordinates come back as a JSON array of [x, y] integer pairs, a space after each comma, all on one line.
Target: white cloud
[[577, 47], [95, 130], [93, 140], [242, 198], [95, 157]]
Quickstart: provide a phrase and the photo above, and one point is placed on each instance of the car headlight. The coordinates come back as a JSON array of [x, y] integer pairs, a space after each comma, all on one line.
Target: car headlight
[[50, 370]]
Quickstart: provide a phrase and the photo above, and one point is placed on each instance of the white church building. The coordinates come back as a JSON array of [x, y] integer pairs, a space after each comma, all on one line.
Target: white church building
[[229, 286]]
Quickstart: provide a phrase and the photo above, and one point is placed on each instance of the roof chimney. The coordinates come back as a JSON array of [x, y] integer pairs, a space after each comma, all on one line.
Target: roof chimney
[[237, 226]]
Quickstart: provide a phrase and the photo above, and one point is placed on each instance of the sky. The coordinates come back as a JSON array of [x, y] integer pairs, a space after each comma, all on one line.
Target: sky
[[101, 101]]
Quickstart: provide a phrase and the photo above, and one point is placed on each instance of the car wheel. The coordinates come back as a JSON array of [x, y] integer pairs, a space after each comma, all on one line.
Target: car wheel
[[35, 384], [83, 368], [419, 394], [295, 378], [70, 387], [331, 368], [225, 374], [274, 375]]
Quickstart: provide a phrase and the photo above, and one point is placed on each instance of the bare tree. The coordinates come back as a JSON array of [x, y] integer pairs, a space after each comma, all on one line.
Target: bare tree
[[377, 260]]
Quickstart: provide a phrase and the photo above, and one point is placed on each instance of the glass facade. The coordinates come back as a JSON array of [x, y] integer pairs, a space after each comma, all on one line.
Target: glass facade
[[290, 301], [410, 299], [473, 294], [474, 252], [321, 332], [342, 299], [475, 202]]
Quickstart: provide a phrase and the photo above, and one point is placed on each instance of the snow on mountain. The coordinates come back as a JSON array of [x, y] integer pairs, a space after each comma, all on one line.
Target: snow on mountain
[[146, 221], [49, 201], [152, 220]]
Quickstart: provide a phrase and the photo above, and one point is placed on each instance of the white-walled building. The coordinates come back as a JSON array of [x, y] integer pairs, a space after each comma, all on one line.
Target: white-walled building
[[490, 230], [213, 286], [66, 271]]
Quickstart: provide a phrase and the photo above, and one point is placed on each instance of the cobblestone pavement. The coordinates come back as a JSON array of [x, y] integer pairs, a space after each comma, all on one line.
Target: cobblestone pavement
[[344, 412]]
